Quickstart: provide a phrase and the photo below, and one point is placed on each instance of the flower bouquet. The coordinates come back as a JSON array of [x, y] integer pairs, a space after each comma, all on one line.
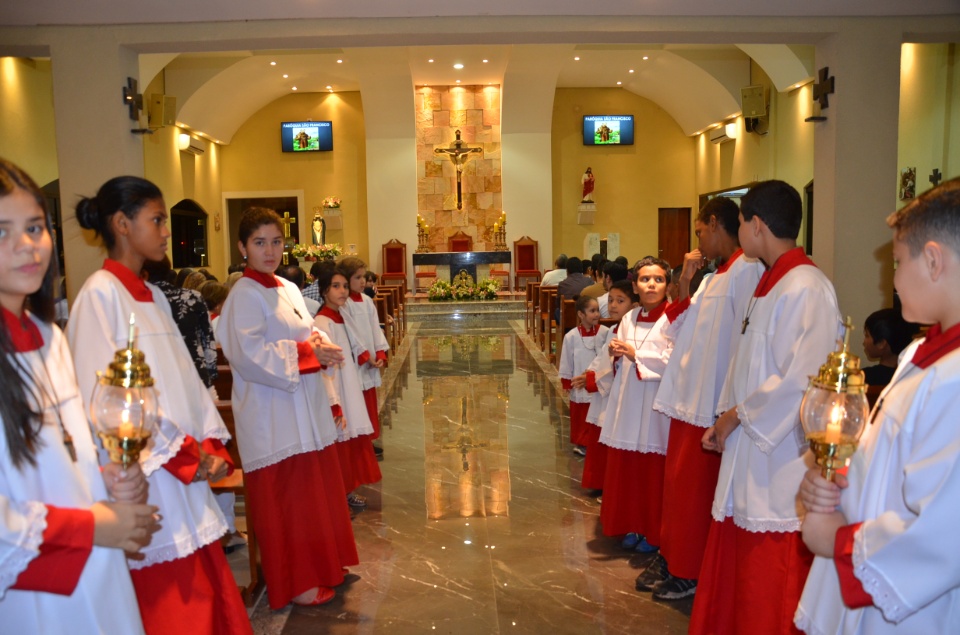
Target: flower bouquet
[[330, 251], [331, 202], [440, 291]]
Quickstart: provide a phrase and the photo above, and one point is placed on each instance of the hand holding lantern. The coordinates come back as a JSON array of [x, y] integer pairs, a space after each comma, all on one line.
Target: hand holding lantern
[[124, 404], [834, 409]]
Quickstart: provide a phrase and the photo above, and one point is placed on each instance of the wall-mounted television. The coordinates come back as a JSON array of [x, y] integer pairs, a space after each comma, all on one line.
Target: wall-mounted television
[[608, 130], [306, 136]]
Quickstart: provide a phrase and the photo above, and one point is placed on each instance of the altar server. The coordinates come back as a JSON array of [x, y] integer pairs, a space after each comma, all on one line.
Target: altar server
[[597, 381], [705, 331], [62, 566], [183, 582], [580, 346], [755, 562], [284, 413], [363, 313], [635, 433], [358, 462], [886, 562]]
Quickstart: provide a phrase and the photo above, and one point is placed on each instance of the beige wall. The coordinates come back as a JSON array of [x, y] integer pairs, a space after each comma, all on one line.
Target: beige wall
[[632, 182], [253, 161], [27, 135]]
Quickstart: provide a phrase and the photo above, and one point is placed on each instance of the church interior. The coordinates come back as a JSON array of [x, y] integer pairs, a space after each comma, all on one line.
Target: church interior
[[479, 524]]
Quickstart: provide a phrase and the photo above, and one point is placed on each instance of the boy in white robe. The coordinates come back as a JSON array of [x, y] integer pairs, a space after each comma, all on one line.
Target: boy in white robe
[[755, 563], [885, 559]]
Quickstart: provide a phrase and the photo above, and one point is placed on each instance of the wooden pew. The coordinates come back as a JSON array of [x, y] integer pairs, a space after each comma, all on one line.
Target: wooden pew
[[530, 308], [568, 320]]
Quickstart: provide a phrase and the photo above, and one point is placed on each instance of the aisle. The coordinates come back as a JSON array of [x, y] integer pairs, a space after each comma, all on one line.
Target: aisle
[[479, 525]]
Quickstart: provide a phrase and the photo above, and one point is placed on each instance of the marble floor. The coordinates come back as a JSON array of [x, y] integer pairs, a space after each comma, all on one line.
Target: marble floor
[[479, 525]]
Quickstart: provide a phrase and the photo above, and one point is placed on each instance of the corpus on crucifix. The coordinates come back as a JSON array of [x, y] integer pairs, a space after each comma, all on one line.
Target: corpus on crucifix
[[459, 154], [288, 242]]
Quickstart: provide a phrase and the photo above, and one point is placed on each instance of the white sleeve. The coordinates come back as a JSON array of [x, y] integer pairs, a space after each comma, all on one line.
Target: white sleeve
[[21, 533], [566, 356], [379, 339]]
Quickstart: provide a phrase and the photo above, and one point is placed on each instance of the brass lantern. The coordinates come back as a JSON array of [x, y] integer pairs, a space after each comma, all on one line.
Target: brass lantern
[[124, 405], [834, 409]]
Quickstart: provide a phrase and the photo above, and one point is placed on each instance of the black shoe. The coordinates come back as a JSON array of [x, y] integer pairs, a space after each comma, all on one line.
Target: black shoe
[[674, 589], [378, 451], [655, 572]]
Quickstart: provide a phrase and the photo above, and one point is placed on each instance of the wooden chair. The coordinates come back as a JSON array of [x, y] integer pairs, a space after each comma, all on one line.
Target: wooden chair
[[526, 260], [460, 242], [609, 322], [568, 320], [530, 307], [394, 254]]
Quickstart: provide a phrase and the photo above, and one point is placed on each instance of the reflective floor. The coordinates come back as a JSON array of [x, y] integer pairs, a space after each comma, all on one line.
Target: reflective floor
[[479, 525]]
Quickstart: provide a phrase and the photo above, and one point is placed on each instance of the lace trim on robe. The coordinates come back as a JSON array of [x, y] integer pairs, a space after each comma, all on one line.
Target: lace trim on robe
[[884, 595], [781, 526], [283, 454], [183, 547], [35, 519], [762, 444], [634, 447]]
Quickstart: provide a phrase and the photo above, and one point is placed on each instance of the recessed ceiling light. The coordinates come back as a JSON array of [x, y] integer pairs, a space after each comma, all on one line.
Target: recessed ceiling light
[[646, 57], [576, 59], [285, 76], [294, 88], [329, 87], [485, 61], [339, 61], [458, 66], [430, 60], [619, 83], [458, 81], [631, 70], [273, 63]]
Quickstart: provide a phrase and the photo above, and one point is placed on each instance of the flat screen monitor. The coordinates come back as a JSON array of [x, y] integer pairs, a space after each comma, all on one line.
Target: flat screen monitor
[[608, 130], [306, 136]]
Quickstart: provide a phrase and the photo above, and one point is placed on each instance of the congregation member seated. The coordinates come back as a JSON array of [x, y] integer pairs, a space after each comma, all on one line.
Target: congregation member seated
[[295, 274], [558, 273], [885, 335]]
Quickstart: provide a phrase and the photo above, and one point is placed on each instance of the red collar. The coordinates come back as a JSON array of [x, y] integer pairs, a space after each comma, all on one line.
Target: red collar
[[332, 314], [130, 281], [937, 344], [592, 332], [356, 297], [790, 260], [654, 315], [24, 334], [266, 279], [214, 315], [723, 268], [616, 327]]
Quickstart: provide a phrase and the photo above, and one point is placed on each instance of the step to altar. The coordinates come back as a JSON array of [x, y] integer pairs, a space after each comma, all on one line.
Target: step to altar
[[468, 312]]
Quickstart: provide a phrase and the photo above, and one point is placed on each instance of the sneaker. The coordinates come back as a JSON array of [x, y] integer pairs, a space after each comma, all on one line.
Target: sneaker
[[630, 541], [674, 588], [355, 500], [655, 572], [645, 547], [579, 450]]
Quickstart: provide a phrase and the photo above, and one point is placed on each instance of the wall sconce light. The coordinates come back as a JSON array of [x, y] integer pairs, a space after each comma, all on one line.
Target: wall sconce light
[[183, 141]]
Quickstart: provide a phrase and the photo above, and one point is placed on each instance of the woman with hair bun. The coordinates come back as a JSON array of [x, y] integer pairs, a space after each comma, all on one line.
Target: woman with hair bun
[[183, 582], [62, 567]]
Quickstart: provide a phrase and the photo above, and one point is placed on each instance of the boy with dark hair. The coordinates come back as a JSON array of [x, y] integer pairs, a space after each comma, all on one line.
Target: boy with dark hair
[[884, 562], [755, 562], [885, 335], [705, 328]]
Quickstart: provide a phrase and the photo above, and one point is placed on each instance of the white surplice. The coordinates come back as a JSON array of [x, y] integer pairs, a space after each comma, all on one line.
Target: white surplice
[[104, 600], [791, 331], [362, 317], [98, 327], [578, 352], [346, 377], [630, 422], [904, 486], [279, 413], [602, 367]]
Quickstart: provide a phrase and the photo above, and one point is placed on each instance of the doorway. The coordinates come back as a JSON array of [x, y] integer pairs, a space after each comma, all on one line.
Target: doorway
[[235, 204], [188, 235], [673, 234]]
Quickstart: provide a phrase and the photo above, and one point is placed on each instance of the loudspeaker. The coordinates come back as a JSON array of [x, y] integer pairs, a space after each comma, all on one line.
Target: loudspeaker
[[162, 111], [752, 101]]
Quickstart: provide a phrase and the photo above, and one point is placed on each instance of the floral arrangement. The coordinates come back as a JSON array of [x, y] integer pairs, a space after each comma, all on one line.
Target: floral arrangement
[[331, 202], [330, 251], [463, 288]]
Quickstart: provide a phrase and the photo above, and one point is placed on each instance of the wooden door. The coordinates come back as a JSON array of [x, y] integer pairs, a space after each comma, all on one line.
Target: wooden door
[[673, 234]]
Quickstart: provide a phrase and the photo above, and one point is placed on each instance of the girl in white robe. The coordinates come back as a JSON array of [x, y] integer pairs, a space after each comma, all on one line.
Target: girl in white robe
[[286, 417], [358, 463], [183, 581], [59, 572], [580, 346]]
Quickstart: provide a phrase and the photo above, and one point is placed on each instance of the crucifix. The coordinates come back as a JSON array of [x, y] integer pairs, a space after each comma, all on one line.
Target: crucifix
[[935, 177], [287, 241], [459, 154], [821, 90]]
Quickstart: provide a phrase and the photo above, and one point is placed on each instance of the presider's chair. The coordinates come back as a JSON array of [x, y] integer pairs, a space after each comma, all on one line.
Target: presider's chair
[[526, 260], [394, 264], [460, 242]]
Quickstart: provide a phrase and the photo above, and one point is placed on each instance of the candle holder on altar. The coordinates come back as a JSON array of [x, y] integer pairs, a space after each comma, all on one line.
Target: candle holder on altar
[[500, 233], [834, 409], [124, 404], [423, 236]]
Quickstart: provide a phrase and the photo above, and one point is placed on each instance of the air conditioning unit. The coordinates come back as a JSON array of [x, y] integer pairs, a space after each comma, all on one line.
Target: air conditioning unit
[[719, 135], [191, 145]]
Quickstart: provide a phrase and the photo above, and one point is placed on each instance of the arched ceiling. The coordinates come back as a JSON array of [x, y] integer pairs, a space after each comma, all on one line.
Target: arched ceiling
[[698, 85]]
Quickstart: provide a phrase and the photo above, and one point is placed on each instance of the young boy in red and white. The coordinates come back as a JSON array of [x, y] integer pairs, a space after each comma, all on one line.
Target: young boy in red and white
[[705, 329], [635, 434], [755, 562], [882, 536], [580, 346], [598, 380]]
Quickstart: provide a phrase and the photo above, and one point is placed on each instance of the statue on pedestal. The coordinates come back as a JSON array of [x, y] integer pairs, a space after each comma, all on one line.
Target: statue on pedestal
[[319, 229], [587, 181]]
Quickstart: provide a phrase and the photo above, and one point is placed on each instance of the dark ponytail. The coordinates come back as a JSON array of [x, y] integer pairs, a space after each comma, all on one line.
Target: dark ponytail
[[21, 423], [125, 194]]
